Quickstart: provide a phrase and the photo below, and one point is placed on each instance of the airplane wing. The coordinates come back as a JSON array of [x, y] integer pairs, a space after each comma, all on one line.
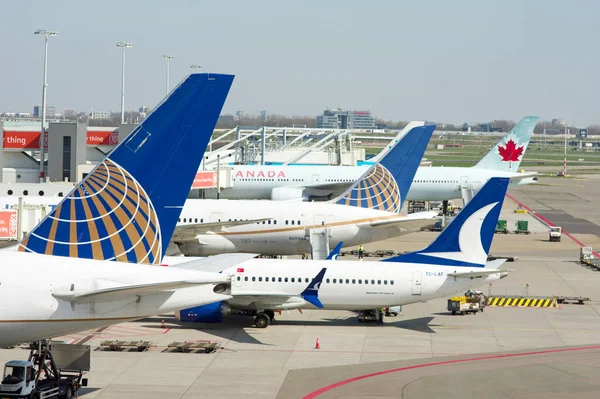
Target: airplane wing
[[188, 232], [130, 290], [216, 263], [412, 222]]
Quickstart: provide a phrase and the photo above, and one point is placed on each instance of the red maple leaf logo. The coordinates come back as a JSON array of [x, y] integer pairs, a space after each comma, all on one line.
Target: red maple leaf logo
[[510, 152]]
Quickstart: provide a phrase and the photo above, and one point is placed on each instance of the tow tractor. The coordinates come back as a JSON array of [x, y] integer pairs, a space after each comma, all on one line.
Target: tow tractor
[[554, 233], [53, 370]]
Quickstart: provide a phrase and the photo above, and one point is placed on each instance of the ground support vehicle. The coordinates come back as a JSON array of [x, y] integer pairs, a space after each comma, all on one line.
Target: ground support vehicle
[[471, 302], [51, 371], [554, 234]]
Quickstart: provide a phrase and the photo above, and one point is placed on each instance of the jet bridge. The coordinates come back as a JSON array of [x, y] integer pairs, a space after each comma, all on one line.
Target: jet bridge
[[282, 145]]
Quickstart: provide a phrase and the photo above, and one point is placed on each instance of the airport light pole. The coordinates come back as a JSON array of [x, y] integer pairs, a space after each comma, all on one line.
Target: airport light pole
[[167, 58], [46, 34], [196, 67], [124, 46], [565, 160]]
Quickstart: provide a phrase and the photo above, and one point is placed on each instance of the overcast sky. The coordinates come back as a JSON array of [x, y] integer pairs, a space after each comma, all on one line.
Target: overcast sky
[[444, 61]]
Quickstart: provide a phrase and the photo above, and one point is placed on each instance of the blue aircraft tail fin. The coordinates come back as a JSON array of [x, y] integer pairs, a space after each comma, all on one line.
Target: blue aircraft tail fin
[[311, 293], [385, 185], [466, 241], [126, 209], [506, 156]]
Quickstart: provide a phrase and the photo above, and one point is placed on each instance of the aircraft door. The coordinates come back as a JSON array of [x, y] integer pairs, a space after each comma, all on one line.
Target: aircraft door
[[315, 179], [215, 217], [239, 280], [464, 182], [417, 283]]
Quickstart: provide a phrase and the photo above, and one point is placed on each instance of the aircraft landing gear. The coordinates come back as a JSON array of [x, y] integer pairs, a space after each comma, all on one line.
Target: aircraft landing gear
[[271, 315], [262, 320]]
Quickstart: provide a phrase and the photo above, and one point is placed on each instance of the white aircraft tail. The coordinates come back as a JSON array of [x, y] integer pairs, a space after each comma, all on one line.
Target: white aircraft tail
[[506, 156], [466, 241]]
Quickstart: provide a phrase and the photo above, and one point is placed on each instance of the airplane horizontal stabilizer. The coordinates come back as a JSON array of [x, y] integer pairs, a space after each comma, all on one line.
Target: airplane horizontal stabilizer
[[478, 274], [118, 292]]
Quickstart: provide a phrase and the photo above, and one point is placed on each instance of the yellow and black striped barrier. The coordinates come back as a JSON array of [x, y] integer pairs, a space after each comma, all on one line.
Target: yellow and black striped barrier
[[525, 302]]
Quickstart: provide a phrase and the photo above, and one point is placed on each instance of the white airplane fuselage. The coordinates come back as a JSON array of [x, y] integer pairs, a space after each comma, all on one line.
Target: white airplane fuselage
[[287, 231], [289, 225], [346, 285], [287, 182], [40, 315]]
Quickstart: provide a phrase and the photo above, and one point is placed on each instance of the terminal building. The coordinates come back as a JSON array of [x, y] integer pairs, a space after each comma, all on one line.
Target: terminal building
[[345, 119]]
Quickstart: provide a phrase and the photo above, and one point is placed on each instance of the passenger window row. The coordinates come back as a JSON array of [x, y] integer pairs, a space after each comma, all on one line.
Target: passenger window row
[[307, 280], [195, 220], [436, 181]]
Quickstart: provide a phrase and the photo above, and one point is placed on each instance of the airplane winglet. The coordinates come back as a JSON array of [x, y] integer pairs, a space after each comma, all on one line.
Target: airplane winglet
[[333, 255], [311, 292]]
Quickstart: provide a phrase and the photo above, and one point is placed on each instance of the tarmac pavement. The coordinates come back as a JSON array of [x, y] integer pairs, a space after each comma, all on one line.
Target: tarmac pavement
[[443, 353]]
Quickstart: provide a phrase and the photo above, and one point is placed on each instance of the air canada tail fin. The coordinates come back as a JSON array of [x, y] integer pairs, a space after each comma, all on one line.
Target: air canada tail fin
[[506, 156], [385, 185], [466, 241], [126, 209]]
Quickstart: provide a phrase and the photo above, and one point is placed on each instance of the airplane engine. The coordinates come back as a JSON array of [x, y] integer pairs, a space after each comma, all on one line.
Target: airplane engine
[[288, 194], [211, 313]]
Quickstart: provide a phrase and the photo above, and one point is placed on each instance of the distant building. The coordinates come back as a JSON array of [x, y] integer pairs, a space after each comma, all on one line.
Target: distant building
[[50, 111], [264, 115], [345, 119], [100, 115], [239, 114]]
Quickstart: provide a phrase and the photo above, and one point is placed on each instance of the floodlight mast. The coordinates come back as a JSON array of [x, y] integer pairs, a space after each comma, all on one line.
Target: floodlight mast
[[124, 46], [46, 34], [167, 58]]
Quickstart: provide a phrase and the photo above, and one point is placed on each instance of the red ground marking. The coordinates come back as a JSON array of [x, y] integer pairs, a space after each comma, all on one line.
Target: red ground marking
[[575, 240], [328, 388]]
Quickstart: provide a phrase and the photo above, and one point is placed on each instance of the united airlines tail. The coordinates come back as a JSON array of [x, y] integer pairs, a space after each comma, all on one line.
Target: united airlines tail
[[126, 209], [466, 241], [385, 185], [506, 156]]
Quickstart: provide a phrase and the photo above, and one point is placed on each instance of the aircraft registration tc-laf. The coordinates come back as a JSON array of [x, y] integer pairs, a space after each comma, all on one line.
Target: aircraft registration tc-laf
[[91, 261], [368, 211], [289, 182], [454, 262]]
